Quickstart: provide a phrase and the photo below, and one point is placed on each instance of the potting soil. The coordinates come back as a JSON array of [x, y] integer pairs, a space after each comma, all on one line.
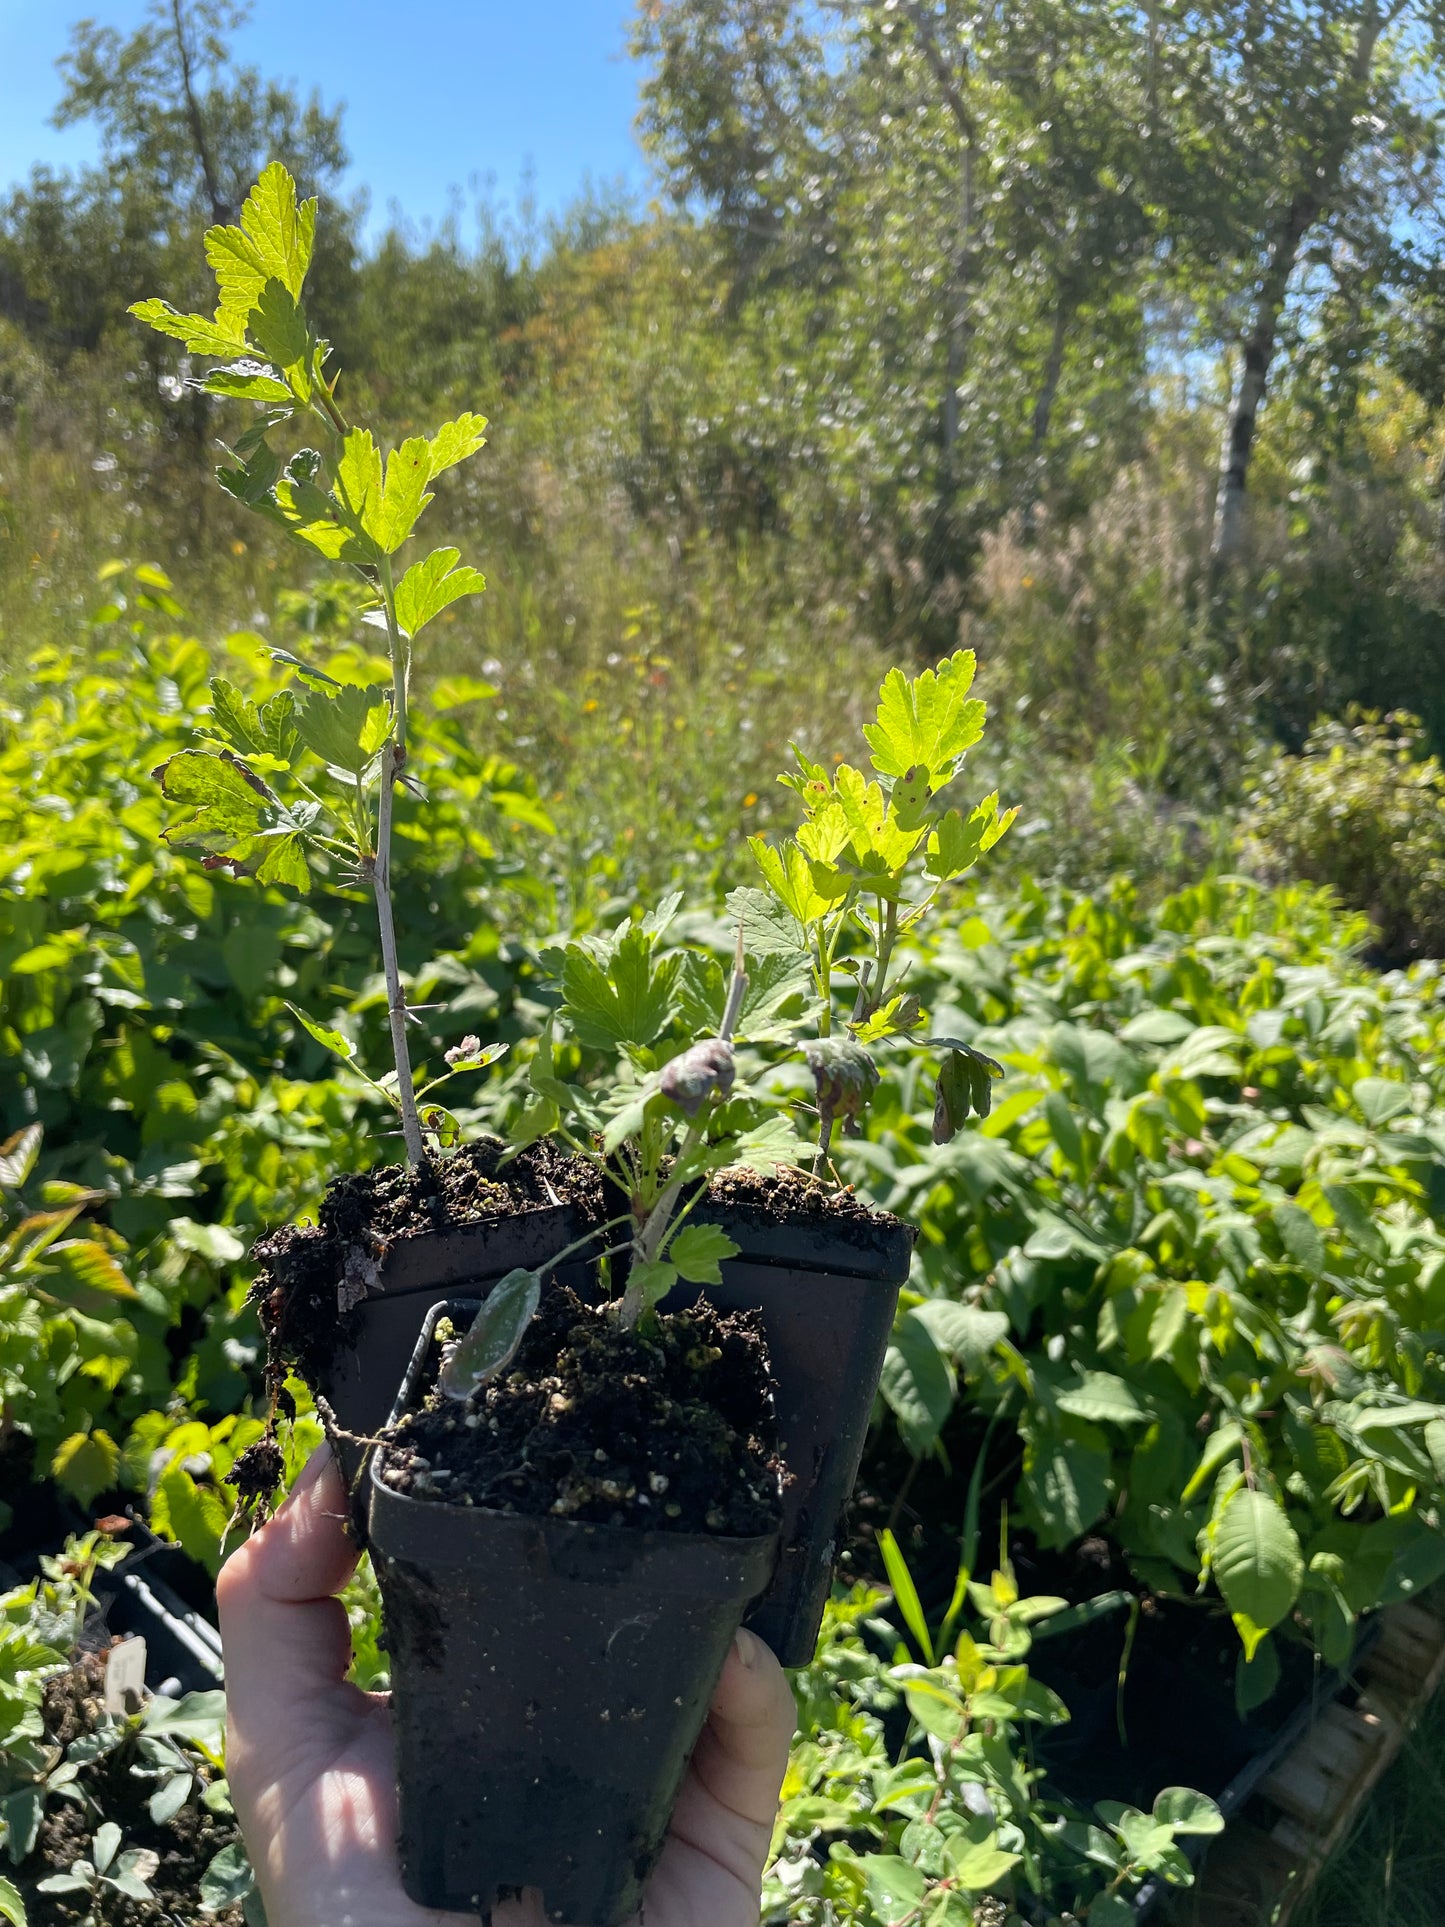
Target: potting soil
[[309, 1270], [672, 1429], [790, 1196]]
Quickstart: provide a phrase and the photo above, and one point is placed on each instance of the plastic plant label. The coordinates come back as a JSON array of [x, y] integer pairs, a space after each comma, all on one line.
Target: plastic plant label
[[125, 1677]]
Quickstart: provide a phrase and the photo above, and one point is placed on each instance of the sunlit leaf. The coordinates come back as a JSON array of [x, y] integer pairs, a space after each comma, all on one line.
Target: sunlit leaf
[[698, 1250], [432, 585]]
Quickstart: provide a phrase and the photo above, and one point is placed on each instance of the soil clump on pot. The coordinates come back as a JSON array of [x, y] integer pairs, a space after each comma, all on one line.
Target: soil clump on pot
[[186, 1844], [313, 1277], [672, 1430]]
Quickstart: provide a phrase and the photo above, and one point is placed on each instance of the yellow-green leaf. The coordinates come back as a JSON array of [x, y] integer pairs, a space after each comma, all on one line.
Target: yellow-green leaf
[[789, 876], [86, 1464], [925, 723], [408, 470], [358, 487], [281, 233], [221, 337], [432, 585], [455, 441]]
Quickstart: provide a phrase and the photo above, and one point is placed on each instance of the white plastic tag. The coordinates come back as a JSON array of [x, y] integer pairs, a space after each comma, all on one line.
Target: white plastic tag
[[125, 1676]]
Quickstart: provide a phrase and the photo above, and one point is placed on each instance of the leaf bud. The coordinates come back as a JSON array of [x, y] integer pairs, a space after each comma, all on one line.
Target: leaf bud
[[689, 1079], [844, 1073]]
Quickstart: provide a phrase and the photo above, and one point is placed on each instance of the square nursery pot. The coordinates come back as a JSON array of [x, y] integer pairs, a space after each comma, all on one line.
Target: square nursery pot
[[549, 1681], [415, 1274], [826, 1288]]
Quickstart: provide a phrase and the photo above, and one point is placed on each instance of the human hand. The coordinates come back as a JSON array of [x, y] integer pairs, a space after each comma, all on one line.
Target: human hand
[[310, 1756]]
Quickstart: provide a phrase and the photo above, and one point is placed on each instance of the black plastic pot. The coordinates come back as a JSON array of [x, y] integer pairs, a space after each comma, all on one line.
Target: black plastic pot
[[1232, 1798], [137, 1597], [183, 1648], [416, 1274], [549, 1682], [827, 1292]]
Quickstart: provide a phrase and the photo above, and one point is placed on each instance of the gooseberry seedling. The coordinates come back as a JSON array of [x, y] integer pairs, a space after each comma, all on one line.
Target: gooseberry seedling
[[863, 869], [868, 861], [314, 776]]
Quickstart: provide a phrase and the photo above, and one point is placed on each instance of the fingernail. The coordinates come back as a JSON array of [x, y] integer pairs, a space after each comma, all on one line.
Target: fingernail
[[745, 1645], [312, 1470]]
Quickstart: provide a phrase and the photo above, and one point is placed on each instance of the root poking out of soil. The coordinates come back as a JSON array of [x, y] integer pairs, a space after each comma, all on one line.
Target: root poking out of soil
[[673, 1430]]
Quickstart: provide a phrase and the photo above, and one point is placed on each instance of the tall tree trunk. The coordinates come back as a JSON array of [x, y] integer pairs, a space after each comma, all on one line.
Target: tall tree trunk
[[960, 320], [1314, 197], [965, 257], [1259, 347], [220, 206], [1065, 310]]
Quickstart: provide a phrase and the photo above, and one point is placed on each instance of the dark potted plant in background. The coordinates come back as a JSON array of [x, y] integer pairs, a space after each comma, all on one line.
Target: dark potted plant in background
[[577, 1497]]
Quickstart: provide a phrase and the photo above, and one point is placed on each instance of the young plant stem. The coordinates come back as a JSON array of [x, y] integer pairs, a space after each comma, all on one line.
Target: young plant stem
[[827, 950], [393, 757], [395, 995], [737, 990], [886, 941], [825, 1139], [648, 1242], [378, 865], [860, 1002]]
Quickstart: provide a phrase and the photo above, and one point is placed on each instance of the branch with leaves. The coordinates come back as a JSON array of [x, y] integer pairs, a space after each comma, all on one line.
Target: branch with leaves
[[680, 1051], [869, 860], [315, 772]]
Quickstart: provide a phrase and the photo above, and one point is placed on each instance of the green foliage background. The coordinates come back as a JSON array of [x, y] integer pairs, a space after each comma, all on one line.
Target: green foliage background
[[1185, 1287], [1190, 1266]]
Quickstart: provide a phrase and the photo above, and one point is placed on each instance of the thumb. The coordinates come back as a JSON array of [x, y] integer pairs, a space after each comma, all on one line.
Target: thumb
[[284, 1635], [743, 1752]]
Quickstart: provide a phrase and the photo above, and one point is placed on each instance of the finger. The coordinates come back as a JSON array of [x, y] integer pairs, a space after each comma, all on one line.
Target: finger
[[743, 1752], [284, 1634]]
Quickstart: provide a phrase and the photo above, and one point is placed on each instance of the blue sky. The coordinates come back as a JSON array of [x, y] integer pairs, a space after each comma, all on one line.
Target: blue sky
[[438, 93]]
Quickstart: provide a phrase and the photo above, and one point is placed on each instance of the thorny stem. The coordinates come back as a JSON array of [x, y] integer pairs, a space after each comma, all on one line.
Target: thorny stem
[[332, 413], [825, 1138], [648, 1241], [886, 941], [737, 990], [395, 995], [378, 866], [393, 758], [822, 978], [860, 1002]]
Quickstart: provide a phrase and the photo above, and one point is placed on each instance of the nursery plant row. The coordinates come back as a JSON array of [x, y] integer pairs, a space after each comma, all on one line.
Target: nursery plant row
[[1197, 1231]]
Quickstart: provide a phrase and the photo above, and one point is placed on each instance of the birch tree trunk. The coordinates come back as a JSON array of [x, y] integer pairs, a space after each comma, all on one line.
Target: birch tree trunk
[[1316, 196]]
